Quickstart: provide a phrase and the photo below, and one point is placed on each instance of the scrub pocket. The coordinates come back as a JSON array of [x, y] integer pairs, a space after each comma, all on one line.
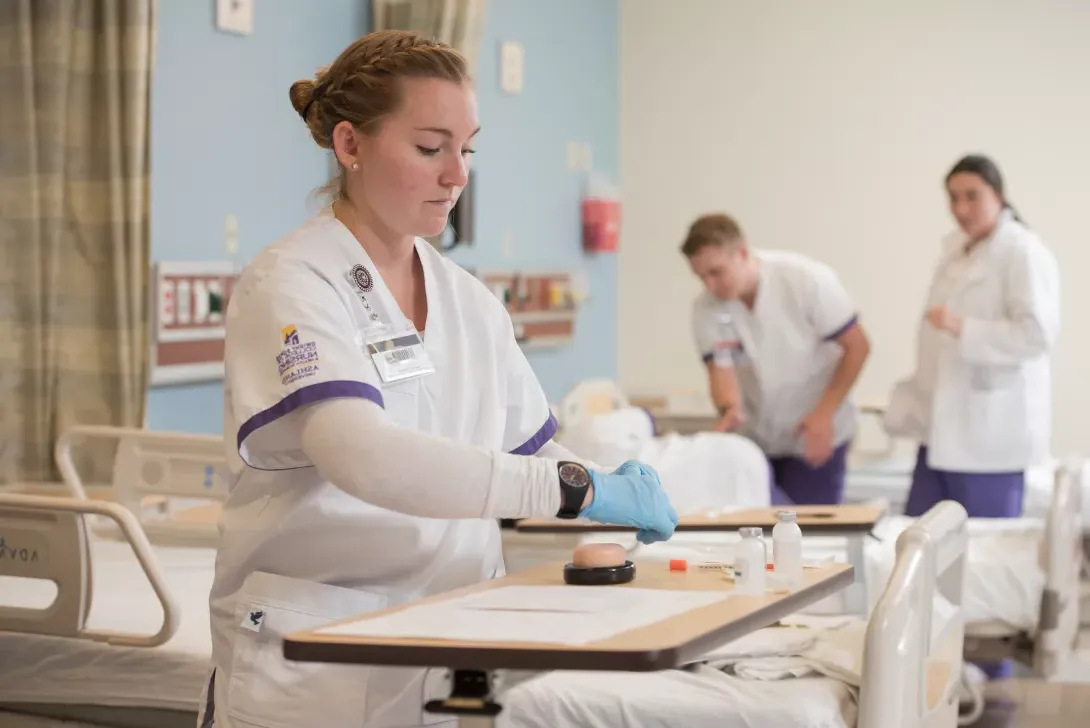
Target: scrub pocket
[[268, 691], [996, 412]]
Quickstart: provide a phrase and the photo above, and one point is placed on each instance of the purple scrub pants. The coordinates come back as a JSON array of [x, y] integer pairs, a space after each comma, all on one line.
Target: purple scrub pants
[[796, 482], [984, 495]]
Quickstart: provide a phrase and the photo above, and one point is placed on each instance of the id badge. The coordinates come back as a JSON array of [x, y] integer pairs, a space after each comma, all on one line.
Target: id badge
[[398, 354], [728, 351]]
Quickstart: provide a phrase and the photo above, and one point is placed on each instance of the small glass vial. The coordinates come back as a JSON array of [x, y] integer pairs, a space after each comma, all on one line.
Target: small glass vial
[[749, 563], [787, 549]]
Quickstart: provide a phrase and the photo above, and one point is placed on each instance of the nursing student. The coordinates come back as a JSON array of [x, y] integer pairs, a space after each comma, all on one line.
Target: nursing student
[[783, 347], [980, 399], [383, 414]]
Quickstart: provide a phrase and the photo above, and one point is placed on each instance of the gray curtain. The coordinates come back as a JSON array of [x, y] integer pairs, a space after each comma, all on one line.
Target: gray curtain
[[75, 79]]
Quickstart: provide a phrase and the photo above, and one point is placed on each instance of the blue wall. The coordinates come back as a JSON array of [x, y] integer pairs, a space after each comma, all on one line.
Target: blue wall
[[571, 58], [225, 140]]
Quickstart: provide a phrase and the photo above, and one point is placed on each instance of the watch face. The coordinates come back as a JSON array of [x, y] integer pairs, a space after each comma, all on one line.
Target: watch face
[[574, 475]]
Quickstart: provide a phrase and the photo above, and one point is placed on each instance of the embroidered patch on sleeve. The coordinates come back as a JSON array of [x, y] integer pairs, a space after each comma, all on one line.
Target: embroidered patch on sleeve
[[296, 360]]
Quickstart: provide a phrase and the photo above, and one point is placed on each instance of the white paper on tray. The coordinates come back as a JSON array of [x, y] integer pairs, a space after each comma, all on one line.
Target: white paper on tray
[[556, 614]]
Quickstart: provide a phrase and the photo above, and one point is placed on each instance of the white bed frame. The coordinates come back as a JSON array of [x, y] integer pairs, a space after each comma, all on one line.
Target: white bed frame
[[912, 656], [1047, 649], [46, 538], [171, 470]]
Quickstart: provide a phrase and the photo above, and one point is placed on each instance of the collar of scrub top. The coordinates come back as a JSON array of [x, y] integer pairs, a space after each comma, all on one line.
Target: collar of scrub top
[[391, 312], [975, 259], [954, 244]]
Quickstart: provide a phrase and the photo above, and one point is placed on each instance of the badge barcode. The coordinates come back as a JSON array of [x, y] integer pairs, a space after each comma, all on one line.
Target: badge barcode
[[400, 355]]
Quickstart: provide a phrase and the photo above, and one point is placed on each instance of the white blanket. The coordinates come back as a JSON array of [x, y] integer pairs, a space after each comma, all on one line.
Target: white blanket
[[701, 472], [798, 650], [778, 677]]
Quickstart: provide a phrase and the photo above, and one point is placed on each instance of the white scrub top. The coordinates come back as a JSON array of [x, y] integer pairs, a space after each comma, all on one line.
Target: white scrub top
[[296, 325], [783, 350]]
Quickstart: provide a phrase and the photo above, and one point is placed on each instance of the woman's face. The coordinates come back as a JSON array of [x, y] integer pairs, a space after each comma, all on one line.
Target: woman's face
[[414, 169], [974, 204]]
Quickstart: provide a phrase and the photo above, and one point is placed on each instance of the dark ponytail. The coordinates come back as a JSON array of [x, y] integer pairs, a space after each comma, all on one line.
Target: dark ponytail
[[987, 170]]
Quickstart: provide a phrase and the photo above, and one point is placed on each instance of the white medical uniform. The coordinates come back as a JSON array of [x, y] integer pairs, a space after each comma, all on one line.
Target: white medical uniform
[[783, 350], [296, 551], [982, 402]]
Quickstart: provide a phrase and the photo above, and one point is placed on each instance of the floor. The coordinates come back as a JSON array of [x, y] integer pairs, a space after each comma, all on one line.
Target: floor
[[1023, 702]]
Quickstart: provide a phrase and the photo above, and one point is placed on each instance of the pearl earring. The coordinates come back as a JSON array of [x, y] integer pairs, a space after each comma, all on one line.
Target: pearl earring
[[355, 166]]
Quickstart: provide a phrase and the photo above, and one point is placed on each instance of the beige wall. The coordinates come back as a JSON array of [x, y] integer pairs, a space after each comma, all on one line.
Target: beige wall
[[826, 127]]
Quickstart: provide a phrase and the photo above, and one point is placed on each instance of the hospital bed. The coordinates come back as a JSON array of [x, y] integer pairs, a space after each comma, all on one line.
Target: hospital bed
[[1023, 590], [126, 642], [657, 672]]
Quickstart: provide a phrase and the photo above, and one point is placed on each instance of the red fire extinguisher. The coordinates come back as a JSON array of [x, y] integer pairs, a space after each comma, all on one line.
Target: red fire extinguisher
[[601, 213]]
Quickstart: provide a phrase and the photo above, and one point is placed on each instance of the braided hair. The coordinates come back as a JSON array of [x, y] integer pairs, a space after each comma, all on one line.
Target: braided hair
[[361, 87]]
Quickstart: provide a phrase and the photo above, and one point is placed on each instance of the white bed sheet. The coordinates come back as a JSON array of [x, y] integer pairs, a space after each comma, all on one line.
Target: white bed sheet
[[45, 669], [701, 698]]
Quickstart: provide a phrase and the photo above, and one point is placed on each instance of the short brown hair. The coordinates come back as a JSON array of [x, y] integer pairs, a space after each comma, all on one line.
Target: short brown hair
[[715, 229], [361, 85]]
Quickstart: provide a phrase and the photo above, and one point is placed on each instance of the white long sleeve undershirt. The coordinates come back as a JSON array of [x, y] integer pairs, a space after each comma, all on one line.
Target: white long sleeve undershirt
[[356, 446]]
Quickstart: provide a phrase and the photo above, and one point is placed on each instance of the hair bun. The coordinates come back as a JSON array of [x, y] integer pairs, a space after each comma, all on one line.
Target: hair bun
[[301, 94]]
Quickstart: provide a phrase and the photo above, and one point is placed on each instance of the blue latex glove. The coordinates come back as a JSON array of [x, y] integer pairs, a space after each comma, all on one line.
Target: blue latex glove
[[632, 496]]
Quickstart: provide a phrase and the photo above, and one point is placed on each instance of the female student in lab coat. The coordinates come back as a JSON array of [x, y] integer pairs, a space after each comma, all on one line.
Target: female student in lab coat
[[385, 417], [783, 347], [980, 400]]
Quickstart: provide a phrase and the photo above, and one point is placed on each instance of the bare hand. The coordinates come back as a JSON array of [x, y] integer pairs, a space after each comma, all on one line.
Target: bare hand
[[817, 432], [731, 420], [944, 319]]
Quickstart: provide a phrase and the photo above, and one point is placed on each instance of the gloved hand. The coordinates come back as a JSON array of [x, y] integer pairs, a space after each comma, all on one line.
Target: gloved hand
[[632, 496]]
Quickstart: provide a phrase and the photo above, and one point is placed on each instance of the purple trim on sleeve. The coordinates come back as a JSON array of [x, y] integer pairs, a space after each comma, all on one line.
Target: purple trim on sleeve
[[839, 332], [308, 395], [707, 358], [541, 437]]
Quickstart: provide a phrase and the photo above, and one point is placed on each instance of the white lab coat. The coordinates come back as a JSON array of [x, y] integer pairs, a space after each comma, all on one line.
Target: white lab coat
[[295, 550], [783, 350], [982, 402]]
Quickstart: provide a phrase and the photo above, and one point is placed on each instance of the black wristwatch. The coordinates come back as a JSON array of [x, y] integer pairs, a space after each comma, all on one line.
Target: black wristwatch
[[574, 481]]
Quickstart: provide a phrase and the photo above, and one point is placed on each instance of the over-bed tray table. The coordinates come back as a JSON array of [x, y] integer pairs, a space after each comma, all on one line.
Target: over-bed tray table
[[669, 643], [853, 522]]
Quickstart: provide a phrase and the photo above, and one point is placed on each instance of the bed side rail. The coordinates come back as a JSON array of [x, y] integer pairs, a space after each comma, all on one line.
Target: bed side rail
[[1062, 551], [913, 646], [45, 538], [588, 398], [151, 463]]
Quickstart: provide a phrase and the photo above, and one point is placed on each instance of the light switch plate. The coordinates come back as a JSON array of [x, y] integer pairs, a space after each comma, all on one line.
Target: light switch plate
[[511, 67], [235, 16]]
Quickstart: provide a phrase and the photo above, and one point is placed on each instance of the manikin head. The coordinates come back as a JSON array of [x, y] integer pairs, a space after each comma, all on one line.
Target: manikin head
[[975, 190], [399, 112], [718, 255]]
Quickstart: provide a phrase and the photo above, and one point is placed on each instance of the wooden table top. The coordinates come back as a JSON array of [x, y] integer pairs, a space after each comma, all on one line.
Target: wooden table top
[[828, 520], [664, 644]]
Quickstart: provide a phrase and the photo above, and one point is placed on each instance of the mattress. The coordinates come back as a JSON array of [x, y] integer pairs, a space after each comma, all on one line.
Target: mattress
[[701, 697], [43, 669]]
